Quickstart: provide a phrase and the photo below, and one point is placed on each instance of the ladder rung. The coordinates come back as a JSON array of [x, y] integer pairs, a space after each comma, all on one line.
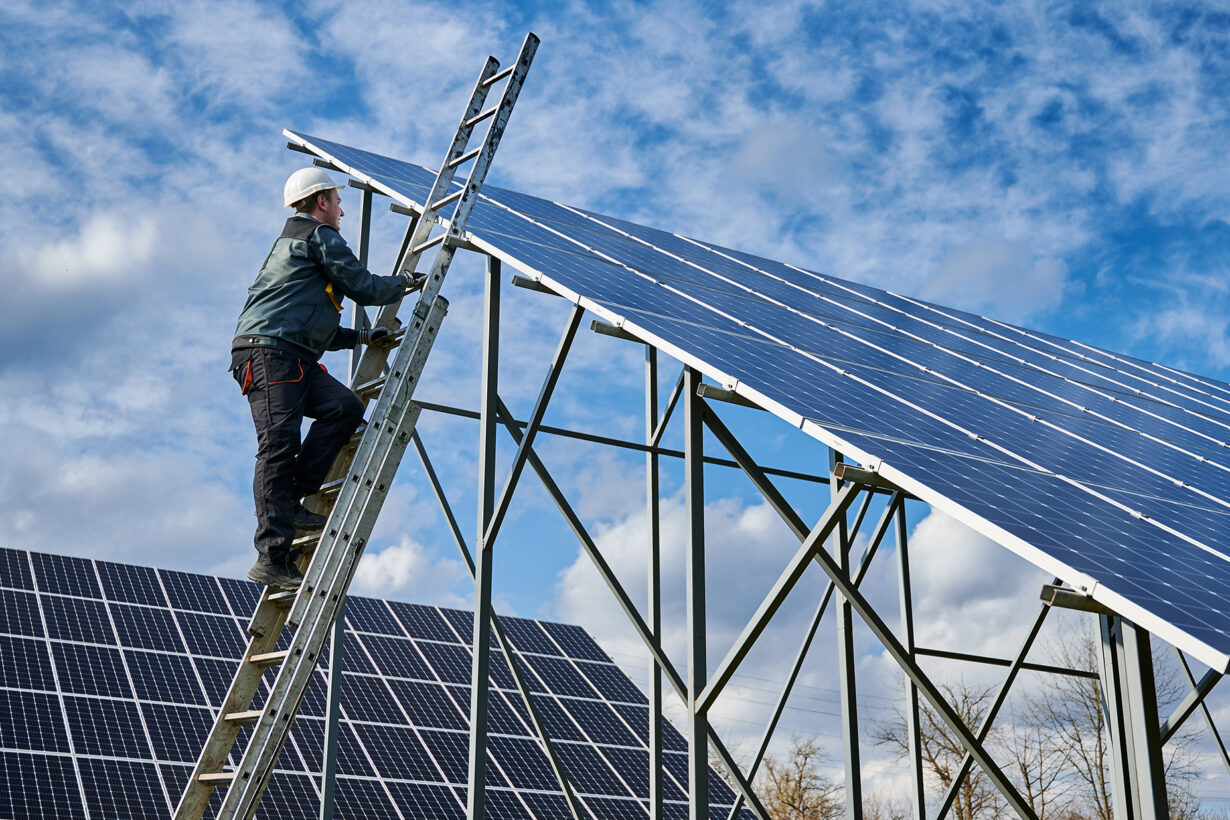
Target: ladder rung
[[495, 78], [216, 778], [283, 597], [435, 240], [466, 157], [270, 658], [371, 387], [453, 197], [332, 487], [243, 718], [477, 118]]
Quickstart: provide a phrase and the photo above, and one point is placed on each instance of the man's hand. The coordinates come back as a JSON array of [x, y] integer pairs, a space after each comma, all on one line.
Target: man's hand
[[378, 336], [414, 281]]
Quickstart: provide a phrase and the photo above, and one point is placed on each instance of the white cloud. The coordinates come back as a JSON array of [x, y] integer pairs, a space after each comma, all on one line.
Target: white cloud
[[1000, 277], [239, 53], [110, 250], [414, 572]]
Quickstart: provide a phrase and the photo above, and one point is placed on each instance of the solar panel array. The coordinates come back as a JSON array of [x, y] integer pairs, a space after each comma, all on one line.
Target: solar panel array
[[110, 676], [1110, 472]]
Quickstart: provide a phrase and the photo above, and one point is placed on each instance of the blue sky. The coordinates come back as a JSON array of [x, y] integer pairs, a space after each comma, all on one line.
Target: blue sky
[[1057, 165]]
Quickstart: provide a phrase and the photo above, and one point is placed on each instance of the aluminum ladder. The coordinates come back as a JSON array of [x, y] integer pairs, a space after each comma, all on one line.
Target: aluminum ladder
[[360, 481]]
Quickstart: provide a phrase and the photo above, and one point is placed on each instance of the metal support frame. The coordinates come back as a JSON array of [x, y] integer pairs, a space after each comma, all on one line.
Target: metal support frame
[[698, 719], [846, 664], [913, 721], [654, 578], [1126, 669], [1130, 699]]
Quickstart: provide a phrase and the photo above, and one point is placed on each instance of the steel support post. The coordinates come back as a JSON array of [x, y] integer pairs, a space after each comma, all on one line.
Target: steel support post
[[476, 799], [332, 710], [918, 791], [845, 662], [652, 499], [337, 640], [694, 481], [489, 522], [1130, 697], [362, 251], [510, 654], [741, 783]]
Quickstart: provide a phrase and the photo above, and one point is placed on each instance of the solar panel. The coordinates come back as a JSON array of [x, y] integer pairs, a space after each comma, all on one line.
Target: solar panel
[[1107, 471], [122, 687]]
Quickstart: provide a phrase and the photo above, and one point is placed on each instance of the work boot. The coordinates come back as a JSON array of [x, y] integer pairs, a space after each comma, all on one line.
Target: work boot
[[307, 521], [276, 574]]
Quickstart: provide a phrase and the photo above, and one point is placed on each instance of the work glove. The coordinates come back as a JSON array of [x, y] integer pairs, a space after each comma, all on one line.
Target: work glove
[[414, 281], [378, 336]]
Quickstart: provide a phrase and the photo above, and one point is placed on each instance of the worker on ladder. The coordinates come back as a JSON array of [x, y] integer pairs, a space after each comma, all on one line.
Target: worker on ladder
[[289, 320]]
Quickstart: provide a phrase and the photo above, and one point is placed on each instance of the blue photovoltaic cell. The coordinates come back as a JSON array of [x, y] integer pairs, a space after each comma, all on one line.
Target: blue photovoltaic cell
[[120, 788], [199, 593], [65, 575], [39, 786], [111, 728], [422, 622], [79, 620], [404, 731], [31, 720], [15, 569], [24, 664], [1147, 437], [131, 584], [19, 613], [90, 670]]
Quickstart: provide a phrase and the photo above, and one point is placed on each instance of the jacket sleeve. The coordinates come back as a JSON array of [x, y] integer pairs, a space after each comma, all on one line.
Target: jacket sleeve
[[344, 339], [347, 273]]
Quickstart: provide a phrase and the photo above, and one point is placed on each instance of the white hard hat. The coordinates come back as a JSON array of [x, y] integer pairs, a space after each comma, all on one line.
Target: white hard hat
[[304, 183]]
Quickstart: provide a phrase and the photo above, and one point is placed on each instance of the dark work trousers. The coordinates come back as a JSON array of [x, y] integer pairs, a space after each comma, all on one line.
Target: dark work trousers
[[282, 389]]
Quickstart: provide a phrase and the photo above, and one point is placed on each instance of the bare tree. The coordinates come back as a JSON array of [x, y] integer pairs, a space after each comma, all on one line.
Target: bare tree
[[942, 752], [1037, 760], [794, 786], [1070, 710]]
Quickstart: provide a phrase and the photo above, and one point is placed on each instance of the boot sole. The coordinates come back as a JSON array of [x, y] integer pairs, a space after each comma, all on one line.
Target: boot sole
[[276, 581]]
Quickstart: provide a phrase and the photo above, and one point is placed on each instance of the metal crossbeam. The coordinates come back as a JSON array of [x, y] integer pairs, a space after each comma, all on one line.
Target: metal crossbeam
[[928, 689], [741, 783], [989, 719]]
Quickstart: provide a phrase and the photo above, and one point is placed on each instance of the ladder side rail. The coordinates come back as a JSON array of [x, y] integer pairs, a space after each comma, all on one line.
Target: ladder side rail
[[239, 697], [361, 502], [372, 361], [379, 451], [406, 368], [482, 163], [293, 679]]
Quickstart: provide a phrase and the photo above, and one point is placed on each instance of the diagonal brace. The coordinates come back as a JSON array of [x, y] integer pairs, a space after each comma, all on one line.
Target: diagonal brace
[[1000, 697], [1195, 698], [924, 684], [1208, 717], [505, 645], [864, 564], [531, 429], [604, 569], [790, 576]]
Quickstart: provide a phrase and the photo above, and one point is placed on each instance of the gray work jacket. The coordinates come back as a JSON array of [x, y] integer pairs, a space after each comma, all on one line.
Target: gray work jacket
[[298, 293]]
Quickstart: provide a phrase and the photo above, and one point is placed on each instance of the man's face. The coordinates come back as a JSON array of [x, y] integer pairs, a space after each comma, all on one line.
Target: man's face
[[330, 209]]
